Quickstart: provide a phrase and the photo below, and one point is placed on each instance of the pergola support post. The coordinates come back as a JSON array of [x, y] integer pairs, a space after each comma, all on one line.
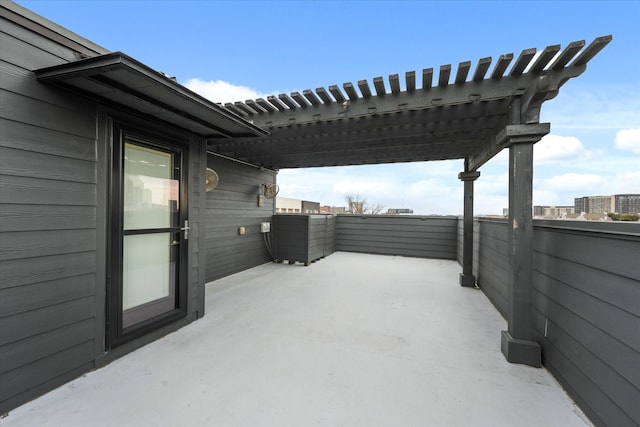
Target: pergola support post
[[467, 278], [517, 342]]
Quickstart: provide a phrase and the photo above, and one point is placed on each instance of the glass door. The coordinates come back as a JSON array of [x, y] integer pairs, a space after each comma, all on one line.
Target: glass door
[[150, 230]]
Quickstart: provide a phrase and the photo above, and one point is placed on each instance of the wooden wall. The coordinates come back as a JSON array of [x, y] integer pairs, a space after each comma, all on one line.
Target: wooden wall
[[234, 204], [586, 308], [54, 171], [47, 223], [414, 236], [492, 270]]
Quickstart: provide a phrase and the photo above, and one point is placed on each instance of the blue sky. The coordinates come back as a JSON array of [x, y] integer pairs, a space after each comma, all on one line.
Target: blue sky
[[236, 50]]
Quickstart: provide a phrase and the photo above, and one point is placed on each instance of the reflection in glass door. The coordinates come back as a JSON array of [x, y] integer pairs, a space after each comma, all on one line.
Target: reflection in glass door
[[149, 235], [150, 208]]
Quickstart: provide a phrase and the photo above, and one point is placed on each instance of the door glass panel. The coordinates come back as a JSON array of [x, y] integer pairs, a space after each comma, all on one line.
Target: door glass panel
[[146, 269], [150, 233], [150, 193]]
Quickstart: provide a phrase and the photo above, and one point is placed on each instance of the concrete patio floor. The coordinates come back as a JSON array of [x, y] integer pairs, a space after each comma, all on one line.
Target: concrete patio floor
[[352, 340]]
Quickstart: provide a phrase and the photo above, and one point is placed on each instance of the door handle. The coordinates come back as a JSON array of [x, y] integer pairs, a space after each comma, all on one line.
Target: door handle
[[175, 243], [186, 229]]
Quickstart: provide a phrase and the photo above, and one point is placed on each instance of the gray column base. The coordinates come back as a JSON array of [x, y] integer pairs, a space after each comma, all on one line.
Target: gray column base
[[521, 351], [467, 280]]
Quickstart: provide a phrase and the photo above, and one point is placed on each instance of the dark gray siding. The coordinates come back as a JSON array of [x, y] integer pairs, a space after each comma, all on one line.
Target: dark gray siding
[[476, 243], [586, 308], [413, 236], [54, 163], [47, 223], [197, 222], [234, 204], [587, 298], [302, 237], [493, 262]]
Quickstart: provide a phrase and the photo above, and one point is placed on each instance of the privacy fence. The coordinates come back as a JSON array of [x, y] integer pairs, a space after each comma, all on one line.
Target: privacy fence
[[586, 294]]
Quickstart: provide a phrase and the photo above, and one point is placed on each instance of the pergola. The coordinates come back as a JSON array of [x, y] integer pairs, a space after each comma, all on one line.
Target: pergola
[[456, 116]]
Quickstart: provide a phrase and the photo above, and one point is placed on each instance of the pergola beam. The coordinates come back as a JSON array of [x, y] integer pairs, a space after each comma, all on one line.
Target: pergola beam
[[511, 132], [439, 108]]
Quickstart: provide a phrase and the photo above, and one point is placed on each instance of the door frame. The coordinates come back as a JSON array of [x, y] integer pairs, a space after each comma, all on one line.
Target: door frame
[[115, 334]]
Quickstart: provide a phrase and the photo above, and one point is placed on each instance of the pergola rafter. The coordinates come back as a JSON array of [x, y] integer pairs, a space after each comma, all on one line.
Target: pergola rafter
[[335, 114], [473, 117]]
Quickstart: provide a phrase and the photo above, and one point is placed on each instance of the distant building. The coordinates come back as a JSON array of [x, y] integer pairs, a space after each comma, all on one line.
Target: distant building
[[337, 210], [627, 203], [310, 207], [400, 212], [287, 205], [553, 211], [619, 203], [581, 204], [602, 204]]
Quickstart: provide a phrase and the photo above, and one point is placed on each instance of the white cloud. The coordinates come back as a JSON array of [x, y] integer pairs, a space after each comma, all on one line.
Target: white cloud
[[548, 197], [363, 188], [581, 106], [626, 182], [573, 182], [628, 139], [555, 149], [221, 91]]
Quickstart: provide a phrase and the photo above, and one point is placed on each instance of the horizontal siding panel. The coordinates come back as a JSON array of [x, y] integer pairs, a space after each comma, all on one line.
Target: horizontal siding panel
[[493, 263], [38, 165], [586, 293], [398, 235], [20, 380], [229, 229], [416, 234], [234, 204], [226, 249], [587, 249], [398, 252], [52, 217], [592, 281], [22, 272], [620, 324], [36, 322], [27, 190], [390, 242], [600, 408], [22, 109], [437, 239], [397, 248], [405, 229], [30, 50], [23, 81], [29, 350], [27, 137], [29, 244], [612, 353], [20, 299]]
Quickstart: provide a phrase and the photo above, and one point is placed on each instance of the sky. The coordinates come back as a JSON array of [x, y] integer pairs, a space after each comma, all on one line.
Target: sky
[[238, 50]]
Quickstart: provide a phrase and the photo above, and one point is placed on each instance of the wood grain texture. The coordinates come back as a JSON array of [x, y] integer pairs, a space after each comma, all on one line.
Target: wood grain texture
[[427, 237], [586, 312], [21, 190], [35, 322], [234, 204]]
